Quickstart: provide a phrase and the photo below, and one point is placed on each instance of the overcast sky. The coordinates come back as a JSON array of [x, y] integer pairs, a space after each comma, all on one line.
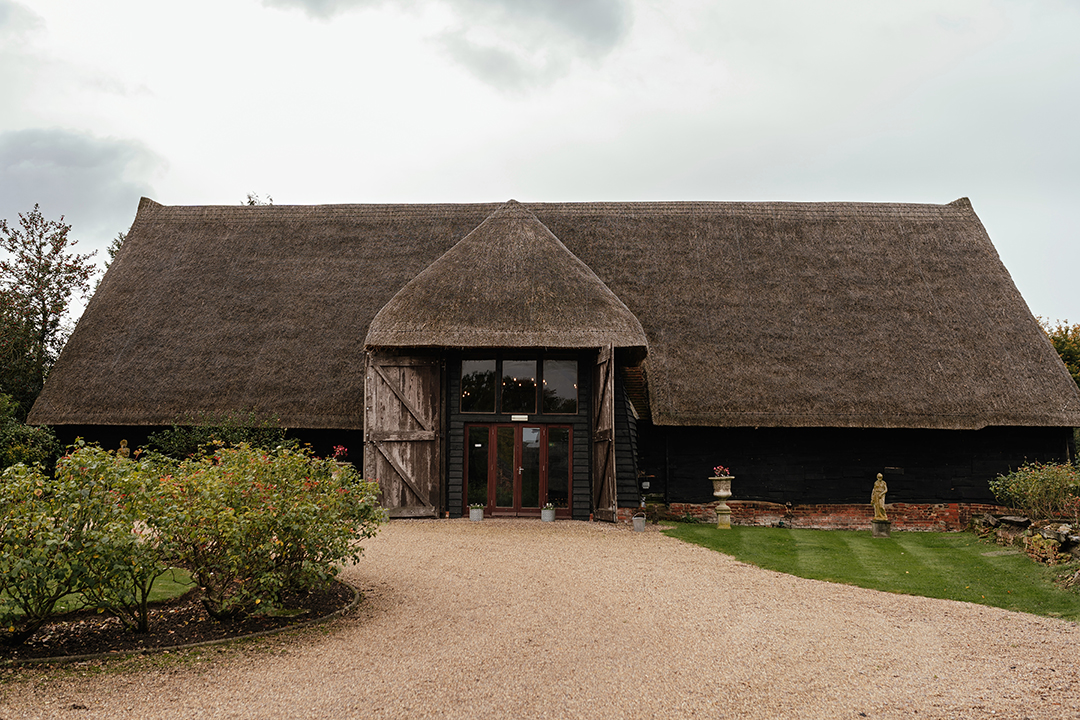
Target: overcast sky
[[343, 101]]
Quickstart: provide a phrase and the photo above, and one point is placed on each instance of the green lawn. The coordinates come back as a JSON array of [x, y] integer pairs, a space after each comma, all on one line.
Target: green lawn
[[172, 584], [954, 566]]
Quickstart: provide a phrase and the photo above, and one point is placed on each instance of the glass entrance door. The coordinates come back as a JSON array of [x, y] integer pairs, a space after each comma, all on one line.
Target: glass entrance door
[[516, 469]]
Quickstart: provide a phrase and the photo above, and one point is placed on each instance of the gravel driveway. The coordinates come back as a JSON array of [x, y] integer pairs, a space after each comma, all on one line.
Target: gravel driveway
[[518, 618]]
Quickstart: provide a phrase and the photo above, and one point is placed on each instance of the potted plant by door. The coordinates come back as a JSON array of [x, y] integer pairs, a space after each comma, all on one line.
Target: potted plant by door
[[476, 512], [547, 513]]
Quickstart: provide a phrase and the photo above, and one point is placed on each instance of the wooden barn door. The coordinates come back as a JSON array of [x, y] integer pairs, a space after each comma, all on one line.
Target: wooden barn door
[[603, 410], [402, 439]]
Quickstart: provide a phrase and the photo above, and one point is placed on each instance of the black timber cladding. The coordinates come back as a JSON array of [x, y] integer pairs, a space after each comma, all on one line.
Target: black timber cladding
[[838, 465]]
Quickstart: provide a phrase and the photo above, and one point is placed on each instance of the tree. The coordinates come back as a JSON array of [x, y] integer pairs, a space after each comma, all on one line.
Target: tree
[[112, 250], [114, 247], [254, 199], [1066, 340], [39, 277], [16, 360]]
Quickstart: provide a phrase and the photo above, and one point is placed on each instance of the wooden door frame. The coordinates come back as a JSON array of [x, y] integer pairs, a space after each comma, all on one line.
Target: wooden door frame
[[516, 510], [605, 486]]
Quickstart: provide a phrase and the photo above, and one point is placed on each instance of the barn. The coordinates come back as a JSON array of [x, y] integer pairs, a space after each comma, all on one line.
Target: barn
[[585, 355]]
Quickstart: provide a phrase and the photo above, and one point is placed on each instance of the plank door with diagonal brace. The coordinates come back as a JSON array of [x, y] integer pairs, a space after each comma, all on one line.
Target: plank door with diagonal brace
[[402, 439], [604, 499]]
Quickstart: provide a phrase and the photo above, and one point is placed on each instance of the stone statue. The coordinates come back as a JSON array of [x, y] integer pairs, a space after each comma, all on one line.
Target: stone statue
[[877, 498], [123, 451]]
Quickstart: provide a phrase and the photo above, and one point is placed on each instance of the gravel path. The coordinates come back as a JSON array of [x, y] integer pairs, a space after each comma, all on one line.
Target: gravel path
[[517, 618]]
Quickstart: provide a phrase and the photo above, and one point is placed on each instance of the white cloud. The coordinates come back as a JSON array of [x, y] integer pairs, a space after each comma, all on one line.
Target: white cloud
[[18, 66], [510, 44], [94, 182], [322, 9], [17, 20]]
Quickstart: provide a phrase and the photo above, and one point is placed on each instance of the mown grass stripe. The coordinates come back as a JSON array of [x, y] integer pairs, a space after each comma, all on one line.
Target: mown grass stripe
[[952, 566]]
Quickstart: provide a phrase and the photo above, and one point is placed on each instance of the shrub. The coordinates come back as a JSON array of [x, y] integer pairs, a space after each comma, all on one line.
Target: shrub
[[253, 525], [126, 557], [1041, 491], [201, 433], [43, 547], [21, 443]]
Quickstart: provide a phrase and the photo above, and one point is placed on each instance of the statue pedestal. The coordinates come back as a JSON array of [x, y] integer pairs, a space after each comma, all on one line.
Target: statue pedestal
[[880, 528]]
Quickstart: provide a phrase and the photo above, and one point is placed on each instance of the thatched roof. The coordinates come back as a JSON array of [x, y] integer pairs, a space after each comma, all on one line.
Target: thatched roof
[[755, 314], [508, 283]]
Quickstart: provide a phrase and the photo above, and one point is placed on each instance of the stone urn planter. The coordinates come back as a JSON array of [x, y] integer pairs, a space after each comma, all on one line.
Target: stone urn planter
[[476, 514], [722, 490], [547, 514]]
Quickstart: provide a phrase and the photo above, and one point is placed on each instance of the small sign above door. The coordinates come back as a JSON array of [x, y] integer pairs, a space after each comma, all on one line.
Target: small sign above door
[[519, 418]]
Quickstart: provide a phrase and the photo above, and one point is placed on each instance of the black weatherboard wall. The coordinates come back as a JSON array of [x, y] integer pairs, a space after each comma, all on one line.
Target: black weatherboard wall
[[831, 465]]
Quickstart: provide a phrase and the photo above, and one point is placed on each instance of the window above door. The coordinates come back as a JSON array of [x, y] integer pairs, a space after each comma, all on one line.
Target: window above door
[[517, 384]]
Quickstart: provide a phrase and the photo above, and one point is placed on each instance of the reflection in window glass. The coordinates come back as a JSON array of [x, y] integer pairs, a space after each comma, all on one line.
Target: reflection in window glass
[[560, 386], [478, 386], [558, 484], [530, 467], [519, 386], [505, 469]]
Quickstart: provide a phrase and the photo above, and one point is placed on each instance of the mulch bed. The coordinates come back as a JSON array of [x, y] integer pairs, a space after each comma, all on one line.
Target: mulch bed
[[182, 621]]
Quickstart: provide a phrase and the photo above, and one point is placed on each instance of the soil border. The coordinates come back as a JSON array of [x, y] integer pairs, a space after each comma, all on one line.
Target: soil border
[[61, 659]]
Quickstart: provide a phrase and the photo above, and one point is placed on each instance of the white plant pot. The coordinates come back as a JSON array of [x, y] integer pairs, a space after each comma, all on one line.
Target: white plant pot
[[476, 514], [547, 514]]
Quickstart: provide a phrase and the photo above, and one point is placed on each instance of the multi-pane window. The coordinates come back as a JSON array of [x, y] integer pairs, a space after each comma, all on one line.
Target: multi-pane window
[[519, 386]]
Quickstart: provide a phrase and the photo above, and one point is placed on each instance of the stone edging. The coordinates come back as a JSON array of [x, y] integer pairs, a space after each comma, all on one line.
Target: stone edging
[[170, 648]]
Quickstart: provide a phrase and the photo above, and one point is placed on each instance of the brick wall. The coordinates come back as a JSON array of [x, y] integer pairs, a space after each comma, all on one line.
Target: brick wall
[[840, 516]]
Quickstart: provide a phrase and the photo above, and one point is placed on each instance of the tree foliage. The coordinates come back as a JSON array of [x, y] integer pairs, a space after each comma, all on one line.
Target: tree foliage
[[39, 277], [17, 377], [20, 443], [114, 247], [1066, 340]]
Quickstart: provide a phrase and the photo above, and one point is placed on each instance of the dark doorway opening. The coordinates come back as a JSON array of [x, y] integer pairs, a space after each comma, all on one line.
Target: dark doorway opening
[[515, 469]]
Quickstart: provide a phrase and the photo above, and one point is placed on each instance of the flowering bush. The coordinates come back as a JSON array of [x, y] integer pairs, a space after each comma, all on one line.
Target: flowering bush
[[720, 471], [44, 545], [253, 526], [1041, 491], [127, 557]]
